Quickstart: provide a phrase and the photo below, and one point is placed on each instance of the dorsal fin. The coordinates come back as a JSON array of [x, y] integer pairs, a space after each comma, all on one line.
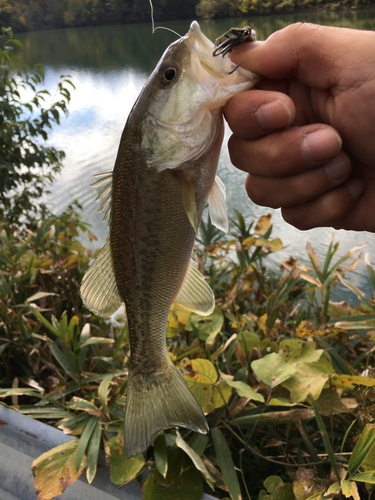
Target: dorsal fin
[[103, 187], [98, 289], [217, 205], [195, 294]]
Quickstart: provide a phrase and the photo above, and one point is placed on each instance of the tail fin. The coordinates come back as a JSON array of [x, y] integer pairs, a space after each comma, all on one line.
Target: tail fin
[[156, 402]]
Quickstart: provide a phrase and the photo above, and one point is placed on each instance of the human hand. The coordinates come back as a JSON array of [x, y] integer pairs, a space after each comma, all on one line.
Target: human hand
[[306, 135]]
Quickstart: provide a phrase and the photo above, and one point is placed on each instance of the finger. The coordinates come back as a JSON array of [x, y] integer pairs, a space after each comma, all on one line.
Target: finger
[[329, 210], [300, 50], [298, 189], [285, 153], [255, 113]]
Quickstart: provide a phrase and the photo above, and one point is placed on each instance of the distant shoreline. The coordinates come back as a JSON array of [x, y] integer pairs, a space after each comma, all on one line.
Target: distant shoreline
[[24, 16]]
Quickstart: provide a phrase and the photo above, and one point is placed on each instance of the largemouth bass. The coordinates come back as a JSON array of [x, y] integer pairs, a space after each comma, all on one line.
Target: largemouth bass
[[154, 199]]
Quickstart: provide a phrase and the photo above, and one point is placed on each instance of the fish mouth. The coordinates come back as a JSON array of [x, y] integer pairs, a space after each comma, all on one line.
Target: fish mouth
[[203, 48]]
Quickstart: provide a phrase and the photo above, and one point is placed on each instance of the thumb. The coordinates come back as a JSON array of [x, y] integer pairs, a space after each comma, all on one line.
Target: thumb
[[312, 53]]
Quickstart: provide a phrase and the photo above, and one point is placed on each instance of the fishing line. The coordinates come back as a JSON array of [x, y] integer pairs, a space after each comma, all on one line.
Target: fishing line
[[159, 27]]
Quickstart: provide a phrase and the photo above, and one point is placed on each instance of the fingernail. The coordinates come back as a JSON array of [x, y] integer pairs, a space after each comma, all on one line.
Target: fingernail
[[321, 145], [338, 168], [356, 187], [274, 114]]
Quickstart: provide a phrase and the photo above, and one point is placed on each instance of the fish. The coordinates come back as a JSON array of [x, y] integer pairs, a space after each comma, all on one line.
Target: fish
[[164, 174]]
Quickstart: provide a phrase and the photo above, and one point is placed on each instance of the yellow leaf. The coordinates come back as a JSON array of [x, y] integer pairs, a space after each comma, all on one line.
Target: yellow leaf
[[263, 224], [262, 323], [305, 329], [176, 316], [200, 370], [349, 381], [172, 357], [248, 242], [201, 376], [92, 236], [349, 489], [183, 315], [313, 256], [270, 245], [55, 470]]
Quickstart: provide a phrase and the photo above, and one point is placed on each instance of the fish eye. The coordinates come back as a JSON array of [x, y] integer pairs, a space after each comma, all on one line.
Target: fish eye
[[169, 74]]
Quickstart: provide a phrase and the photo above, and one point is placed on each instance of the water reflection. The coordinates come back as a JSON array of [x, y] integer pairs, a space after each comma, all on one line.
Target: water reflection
[[109, 66]]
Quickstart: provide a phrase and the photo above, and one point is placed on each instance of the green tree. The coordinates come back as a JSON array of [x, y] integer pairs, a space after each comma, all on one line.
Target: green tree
[[27, 165]]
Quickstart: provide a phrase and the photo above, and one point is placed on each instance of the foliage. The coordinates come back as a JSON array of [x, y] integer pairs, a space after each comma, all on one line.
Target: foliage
[[234, 8], [284, 374], [26, 165], [24, 15]]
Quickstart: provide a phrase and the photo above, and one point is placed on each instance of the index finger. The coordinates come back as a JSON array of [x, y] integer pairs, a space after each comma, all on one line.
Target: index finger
[[314, 54], [256, 113]]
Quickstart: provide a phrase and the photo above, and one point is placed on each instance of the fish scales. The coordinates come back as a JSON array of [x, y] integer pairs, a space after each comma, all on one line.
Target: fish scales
[[164, 173]]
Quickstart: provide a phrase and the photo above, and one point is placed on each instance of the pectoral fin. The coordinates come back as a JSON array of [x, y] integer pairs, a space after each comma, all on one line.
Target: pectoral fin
[[196, 295], [98, 289], [188, 196], [217, 205]]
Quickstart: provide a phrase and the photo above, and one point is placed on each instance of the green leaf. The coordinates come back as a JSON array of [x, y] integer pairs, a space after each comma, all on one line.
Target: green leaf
[[3, 347], [103, 392], [84, 440], [327, 444], [288, 348], [362, 449], [272, 369], [195, 459], [349, 489], [308, 378], [122, 469], [334, 488], [76, 422], [40, 295], [308, 354], [97, 340], [82, 404], [277, 489], [199, 443], [56, 469], [45, 322], [243, 389], [64, 361], [207, 326], [224, 459], [93, 452], [182, 486], [364, 477], [161, 454]]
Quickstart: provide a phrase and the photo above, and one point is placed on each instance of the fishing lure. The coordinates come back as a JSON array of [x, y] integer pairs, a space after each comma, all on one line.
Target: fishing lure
[[231, 38]]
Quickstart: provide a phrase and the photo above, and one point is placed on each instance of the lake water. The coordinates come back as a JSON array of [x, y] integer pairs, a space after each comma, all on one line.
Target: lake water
[[109, 66]]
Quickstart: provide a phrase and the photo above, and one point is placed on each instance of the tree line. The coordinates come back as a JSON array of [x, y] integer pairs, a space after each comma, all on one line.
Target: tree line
[[33, 15], [238, 8]]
